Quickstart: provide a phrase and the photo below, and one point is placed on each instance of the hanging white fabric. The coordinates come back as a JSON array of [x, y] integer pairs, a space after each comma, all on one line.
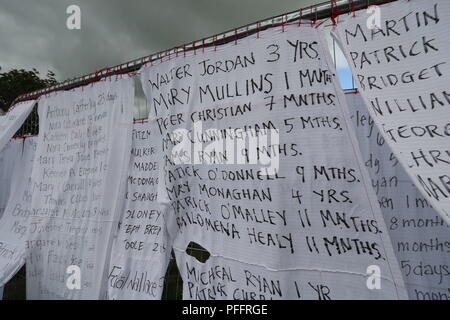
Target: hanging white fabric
[[82, 158]]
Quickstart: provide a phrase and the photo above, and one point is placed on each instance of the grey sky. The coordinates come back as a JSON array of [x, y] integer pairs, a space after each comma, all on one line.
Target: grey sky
[[33, 33]]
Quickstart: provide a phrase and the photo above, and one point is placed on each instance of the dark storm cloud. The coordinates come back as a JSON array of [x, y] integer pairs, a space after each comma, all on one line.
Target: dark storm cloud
[[33, 33]]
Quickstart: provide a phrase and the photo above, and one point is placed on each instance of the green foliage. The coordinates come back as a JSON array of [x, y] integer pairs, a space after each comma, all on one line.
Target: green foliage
[[16, 82]]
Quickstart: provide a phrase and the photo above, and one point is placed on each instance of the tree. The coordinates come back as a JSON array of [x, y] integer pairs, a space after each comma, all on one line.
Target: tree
[[16, 82]]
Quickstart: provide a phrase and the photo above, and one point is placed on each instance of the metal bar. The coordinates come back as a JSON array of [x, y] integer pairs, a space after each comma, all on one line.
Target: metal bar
[[316, 12]]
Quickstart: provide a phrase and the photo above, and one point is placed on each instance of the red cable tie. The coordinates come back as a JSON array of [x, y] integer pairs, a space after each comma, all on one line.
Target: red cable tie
[[116, 71], [195, 48], [235, 36], [321, 23]]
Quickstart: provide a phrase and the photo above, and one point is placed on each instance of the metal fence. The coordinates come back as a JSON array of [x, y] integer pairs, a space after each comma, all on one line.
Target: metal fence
[[173, 285]]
